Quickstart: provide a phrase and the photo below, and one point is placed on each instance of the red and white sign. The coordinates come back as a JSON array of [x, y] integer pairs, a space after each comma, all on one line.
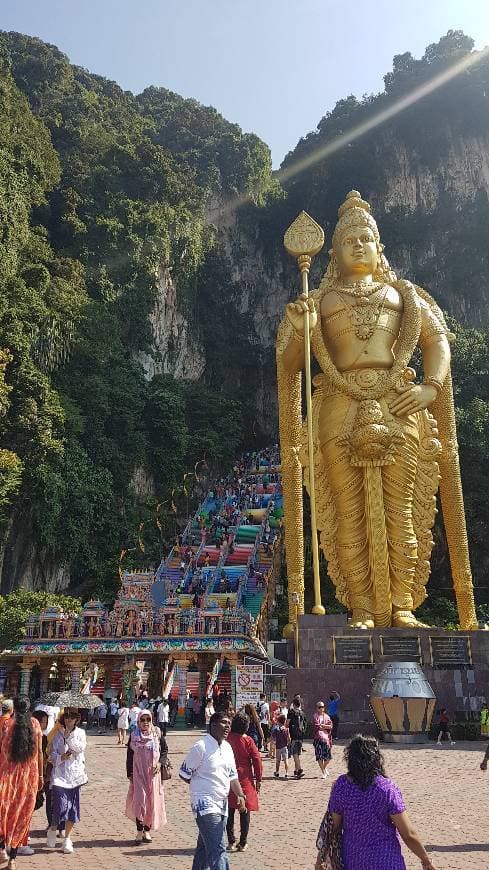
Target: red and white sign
[[249, 684]]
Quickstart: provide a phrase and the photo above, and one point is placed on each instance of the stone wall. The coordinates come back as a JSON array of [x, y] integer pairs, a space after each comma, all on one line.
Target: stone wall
[[460, 690]]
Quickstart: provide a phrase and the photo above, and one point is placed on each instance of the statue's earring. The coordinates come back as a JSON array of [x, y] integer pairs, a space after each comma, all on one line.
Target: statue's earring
[[334, 265]]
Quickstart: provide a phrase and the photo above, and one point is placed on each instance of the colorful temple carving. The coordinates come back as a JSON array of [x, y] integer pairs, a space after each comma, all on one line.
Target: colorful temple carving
[[208, 599]]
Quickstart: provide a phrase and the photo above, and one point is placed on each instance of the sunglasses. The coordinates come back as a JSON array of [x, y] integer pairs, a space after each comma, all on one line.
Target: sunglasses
[[145, 719]]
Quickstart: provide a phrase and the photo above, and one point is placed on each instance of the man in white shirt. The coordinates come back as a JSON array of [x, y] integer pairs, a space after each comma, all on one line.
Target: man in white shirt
[[210, 770], [163, 715]]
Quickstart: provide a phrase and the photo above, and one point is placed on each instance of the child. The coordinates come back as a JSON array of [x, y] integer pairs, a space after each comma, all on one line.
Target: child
[[281, 739], [443, 725]]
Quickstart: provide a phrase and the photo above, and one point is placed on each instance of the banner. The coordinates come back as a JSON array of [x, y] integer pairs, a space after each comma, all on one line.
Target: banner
[[212, 678], [249, 684], [169, 679]]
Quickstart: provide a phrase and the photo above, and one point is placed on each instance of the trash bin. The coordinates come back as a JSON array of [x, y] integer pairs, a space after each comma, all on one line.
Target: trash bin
[[402, 702]]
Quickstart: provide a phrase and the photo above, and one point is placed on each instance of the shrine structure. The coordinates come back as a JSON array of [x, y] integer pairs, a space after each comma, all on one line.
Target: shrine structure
[[208, 601]]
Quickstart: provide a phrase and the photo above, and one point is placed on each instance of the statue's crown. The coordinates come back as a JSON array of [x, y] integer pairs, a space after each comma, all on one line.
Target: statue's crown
[[355, 211], [353, 200]]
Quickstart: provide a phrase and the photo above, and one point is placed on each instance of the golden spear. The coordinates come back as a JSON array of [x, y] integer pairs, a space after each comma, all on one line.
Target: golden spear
[[303, 240]]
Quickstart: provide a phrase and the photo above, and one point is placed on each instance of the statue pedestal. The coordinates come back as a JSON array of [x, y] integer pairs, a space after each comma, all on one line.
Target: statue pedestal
[[337, 658]]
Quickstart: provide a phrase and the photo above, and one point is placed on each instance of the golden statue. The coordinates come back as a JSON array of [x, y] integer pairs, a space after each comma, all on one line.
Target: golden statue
[[378, 452]]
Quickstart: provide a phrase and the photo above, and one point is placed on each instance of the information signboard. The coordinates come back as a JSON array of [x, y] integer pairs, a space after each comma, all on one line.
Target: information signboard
[[404, 647], [355, 649], [249, 684], [451, 651]]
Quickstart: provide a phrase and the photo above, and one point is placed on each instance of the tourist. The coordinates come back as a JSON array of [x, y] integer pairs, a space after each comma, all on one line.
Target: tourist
[[443, 726], [283, 708], [133, 716], [333, 706], [281, 743], [210, 770], [484, 720], [254, 729], [250, 771], [274, 714], [323, 727], [147, 751], [114, 714], [67, 755], [21, 778], [263, 711], [485, 759], [102, 717], [122, 723], [7, 710], [196, 709], [163, 715], [369, 811], [297, 730], [208, 712]]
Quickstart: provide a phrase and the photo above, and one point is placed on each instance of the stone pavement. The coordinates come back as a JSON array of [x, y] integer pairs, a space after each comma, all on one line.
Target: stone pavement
[[446, 794]]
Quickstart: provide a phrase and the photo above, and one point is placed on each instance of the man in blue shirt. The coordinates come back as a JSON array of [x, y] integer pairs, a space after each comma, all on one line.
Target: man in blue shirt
[[334, 703]]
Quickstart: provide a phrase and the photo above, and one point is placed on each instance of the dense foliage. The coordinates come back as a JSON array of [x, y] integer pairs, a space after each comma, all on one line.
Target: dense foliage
[[16, 608], [98, 189]]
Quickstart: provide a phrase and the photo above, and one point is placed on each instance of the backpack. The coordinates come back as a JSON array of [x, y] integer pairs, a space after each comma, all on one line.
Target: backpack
[[297, 724]]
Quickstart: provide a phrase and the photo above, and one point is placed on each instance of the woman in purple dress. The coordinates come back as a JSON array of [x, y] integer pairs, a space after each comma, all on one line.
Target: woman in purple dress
[[369, 810]]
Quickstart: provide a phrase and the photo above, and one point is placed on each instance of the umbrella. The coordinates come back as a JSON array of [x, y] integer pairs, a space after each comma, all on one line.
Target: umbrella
[[50, 699], [72, 699]]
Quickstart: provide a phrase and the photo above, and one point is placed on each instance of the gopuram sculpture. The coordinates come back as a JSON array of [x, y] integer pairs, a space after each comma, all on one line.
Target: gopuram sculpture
[[382, 441]]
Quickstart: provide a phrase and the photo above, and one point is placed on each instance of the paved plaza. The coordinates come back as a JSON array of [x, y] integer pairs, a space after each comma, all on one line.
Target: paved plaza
[[445, 792]]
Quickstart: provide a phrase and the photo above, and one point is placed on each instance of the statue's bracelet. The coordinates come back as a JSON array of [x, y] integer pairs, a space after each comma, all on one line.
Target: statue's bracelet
[[433, 382]]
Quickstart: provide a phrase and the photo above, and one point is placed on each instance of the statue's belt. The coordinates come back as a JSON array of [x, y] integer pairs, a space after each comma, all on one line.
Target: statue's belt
[[366, 379]]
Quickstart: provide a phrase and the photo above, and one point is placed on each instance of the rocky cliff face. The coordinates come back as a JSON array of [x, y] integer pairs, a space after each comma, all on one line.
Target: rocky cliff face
[[430, 218], [176, 348]]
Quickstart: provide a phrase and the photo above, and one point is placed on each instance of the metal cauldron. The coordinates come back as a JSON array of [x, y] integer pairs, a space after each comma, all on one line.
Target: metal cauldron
[[402, 702]]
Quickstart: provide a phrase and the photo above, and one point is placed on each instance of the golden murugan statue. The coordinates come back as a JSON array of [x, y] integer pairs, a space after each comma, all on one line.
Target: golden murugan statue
[[378, 451]]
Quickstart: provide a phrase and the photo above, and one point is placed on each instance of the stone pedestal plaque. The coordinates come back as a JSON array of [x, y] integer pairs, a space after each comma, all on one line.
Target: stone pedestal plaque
[[451, 651], [355, 649], [404, 647]]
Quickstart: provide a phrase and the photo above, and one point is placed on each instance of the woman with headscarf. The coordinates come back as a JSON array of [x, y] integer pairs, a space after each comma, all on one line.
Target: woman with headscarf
[[147, 751], [21, 777], [66, 753]]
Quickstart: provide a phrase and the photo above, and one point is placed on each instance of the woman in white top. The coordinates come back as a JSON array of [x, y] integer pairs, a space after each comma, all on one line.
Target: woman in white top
[[67, 755], [122, 723]]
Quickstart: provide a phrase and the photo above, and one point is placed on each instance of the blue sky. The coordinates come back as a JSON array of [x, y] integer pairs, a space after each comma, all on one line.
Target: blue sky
[[275, 67]]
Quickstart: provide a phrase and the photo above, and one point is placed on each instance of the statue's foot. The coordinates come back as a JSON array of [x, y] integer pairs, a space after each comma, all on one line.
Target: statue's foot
[[361, 619], [406, 619]]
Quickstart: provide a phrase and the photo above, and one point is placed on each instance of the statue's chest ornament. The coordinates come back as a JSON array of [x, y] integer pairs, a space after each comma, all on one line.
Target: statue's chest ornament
[[365, 315]]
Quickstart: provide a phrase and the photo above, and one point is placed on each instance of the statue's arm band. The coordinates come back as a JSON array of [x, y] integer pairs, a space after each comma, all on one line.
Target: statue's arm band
[[433, 382]]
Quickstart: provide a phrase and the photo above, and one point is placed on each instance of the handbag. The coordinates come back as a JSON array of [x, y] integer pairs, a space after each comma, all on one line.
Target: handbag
[[328, 842], [39, 800], [166, 769]]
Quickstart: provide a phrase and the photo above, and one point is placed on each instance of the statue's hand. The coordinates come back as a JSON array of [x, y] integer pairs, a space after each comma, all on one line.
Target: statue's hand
[[413, 399], [295, 313]]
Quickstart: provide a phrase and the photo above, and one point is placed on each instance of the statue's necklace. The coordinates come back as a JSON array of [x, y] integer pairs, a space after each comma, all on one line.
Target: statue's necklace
[[364, 313]]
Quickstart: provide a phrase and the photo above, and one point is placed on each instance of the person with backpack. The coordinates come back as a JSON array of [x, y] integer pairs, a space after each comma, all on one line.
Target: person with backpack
[[297, 730]]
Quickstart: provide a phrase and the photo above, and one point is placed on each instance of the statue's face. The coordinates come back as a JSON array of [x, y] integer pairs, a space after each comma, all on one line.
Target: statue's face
[[356, 252]]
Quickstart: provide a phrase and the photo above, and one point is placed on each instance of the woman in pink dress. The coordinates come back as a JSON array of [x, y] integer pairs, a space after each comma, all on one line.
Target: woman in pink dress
[[146, 752], [323, 727]]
